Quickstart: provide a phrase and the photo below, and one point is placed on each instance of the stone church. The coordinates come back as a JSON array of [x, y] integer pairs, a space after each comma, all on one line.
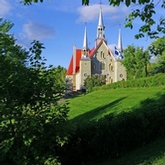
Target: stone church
[[98, 60]]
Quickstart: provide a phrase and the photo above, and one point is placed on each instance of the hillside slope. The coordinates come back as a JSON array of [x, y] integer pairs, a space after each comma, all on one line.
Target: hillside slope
[[99, 103]]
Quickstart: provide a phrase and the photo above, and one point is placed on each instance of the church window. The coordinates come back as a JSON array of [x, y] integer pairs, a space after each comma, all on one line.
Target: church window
[[110, 80], [102, 54], [110, 67], [85, 74], [102, 66], [93, 66]]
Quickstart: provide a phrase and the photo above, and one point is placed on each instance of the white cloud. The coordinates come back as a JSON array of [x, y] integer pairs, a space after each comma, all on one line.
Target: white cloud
[[5, 8], [37, 31], [90, 13]]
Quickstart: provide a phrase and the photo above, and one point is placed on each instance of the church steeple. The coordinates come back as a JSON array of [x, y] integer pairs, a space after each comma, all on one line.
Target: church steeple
[[120, 48], [85, 49], [85, 43], [100, 29]]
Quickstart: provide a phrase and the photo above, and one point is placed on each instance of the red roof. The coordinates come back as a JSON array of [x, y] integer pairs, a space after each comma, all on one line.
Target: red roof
[[78, 57]]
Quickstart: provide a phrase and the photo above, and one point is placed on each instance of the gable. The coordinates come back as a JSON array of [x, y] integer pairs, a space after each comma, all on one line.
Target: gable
[[102, 46]]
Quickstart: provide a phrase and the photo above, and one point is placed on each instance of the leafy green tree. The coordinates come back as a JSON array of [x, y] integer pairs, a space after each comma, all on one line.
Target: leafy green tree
[[32, 124], [160, 68], [135, 61], [58, 77], [157, 48], [94, 80]]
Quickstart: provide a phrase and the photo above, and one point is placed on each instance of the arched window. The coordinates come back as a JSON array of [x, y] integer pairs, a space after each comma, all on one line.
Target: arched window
[[102, 54], [93, 66], [110, 67], [110, 80]]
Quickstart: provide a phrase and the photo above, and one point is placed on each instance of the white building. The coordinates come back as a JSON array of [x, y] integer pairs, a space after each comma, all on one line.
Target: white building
[[98, 60]]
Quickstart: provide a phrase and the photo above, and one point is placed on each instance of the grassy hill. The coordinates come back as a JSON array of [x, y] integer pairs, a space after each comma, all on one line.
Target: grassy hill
[[102, 102], [94, 106]]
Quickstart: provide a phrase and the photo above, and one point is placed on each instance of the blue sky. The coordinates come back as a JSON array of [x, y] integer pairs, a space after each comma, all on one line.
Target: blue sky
[[60, 25]]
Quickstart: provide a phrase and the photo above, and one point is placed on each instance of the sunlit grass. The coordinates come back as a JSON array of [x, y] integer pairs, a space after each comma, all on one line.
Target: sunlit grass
[[100, 103]]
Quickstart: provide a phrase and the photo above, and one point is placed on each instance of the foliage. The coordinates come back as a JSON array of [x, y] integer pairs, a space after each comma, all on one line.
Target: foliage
[[146, 15], [156, 80], [157, 48], [161, 63], [94, 80], [135, 62], [58, 77], [31, 124]]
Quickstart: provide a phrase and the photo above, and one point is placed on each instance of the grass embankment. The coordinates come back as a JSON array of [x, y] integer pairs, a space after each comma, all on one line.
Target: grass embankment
[[99, 103], [137, 106]]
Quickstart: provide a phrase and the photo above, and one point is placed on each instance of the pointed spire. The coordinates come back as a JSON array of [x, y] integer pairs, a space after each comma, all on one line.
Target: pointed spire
[[85, 49], [100, 23], [120, 48], [85, 43], [100, 28]]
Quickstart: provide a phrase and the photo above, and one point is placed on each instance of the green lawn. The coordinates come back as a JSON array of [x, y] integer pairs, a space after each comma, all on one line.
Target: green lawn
[[99, 103]]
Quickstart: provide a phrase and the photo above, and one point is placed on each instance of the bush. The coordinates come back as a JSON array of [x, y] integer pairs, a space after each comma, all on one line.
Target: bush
[[157, 80], [94, 80]]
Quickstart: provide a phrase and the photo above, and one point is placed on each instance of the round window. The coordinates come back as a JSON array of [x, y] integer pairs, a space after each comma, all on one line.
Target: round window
[[85, 74]]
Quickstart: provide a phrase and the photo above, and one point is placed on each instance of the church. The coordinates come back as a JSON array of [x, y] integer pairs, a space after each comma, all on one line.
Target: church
[[98, 60]]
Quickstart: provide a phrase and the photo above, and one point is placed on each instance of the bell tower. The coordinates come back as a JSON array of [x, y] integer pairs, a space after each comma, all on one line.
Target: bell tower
[[85, 62], [100, 29]]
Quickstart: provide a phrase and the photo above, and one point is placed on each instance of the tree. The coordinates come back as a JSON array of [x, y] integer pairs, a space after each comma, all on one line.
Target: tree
[[94, 80], [32, 124], [58, 77], [135, 62], [146, 14], [157, 48]]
